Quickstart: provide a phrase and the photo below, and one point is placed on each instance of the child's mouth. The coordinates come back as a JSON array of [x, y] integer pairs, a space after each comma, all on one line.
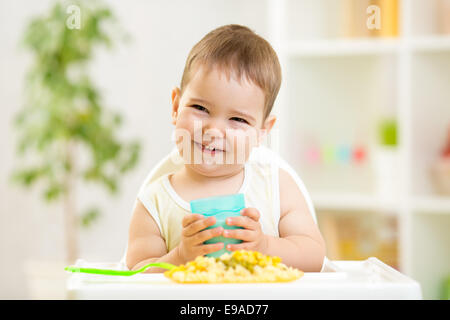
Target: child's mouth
[[207, 149]]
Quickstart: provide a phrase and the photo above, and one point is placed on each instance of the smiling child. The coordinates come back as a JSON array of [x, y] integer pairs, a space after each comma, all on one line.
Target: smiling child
[[221, 111]]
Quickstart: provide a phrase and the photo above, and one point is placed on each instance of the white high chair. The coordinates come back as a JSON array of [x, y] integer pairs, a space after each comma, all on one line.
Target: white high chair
[[173, 161]]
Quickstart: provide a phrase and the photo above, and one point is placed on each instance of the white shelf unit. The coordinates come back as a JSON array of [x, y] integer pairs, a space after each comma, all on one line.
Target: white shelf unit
[[334, 89]]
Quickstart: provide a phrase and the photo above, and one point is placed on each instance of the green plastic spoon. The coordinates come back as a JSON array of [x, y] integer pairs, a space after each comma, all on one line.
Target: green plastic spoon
[[119, 272]]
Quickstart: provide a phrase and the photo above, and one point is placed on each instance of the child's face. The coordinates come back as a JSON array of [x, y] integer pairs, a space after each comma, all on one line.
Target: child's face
[[218, 112]]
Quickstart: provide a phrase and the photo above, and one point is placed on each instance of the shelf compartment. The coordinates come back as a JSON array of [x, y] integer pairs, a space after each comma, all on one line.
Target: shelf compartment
[[352, 92], [429, 17], [431, 43], [357, 235], [430, 259], [432, 204], [430, 111], [352, 202], [342, 47]]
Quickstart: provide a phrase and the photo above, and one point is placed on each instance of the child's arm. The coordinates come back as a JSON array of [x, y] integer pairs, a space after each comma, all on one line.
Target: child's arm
[[145, 243], [300, 243]]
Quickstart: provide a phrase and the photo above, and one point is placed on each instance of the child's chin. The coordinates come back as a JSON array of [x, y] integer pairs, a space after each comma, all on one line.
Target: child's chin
[[211, 169]]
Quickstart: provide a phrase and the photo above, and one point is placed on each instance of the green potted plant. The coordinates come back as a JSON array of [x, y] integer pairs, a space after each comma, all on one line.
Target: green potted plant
[[386, 160], [63, 116], [388, 133]]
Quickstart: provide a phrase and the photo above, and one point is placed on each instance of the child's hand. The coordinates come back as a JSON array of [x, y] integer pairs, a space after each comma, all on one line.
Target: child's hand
[[252, 236], [193, 236]]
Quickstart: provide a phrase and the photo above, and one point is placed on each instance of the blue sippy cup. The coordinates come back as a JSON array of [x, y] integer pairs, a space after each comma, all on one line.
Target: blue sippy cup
[[221, 207]]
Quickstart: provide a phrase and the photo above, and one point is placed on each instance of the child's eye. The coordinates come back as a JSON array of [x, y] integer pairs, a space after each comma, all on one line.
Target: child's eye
[[199, 107], [239, 120]]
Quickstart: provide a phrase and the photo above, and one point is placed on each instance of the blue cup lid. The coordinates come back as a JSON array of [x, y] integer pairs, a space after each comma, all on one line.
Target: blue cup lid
[[213, 205]]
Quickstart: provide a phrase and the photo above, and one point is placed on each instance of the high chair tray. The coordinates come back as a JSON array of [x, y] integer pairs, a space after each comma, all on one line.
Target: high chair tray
[[368, 279]]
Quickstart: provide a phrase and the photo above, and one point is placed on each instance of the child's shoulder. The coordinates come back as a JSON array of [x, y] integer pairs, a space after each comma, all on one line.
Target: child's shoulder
[[154, 186], [260, 168]]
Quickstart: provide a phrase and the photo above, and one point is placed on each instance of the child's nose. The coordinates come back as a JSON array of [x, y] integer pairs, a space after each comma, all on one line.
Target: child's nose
[[214, 128]]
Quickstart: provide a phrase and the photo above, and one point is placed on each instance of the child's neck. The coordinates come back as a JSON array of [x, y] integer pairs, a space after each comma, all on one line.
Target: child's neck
[[190, 184], [197, 177]]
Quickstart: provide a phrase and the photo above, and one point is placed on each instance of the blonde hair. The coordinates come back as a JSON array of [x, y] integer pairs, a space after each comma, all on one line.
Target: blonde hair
[[236, 48]]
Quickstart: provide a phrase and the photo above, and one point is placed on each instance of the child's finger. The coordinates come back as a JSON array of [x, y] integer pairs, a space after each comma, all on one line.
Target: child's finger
[[241, 234], [207, 234], [242, 221], [240, 246], [208, 248], [198, 225], [190, 218], [252, 213]]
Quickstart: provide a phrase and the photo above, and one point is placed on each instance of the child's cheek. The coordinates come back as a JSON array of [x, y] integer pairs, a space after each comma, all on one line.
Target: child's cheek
[[241, 143], [189, 122]]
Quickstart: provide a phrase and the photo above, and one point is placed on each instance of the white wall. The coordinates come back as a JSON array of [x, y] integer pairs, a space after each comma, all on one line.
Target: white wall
[[135, 79]]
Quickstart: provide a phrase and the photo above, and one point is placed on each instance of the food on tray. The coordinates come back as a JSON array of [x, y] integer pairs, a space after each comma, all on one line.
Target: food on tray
[[238, 266]]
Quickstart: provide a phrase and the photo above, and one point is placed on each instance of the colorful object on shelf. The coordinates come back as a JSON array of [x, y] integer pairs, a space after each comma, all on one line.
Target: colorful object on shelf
[[444, 9], [344, 154], [388, 132], [386, 11], [221, 207], [440, 171], [313, 155], [446, 289], [328, 154], [369, 18], [359, 154], [354, 237], [445, 153]]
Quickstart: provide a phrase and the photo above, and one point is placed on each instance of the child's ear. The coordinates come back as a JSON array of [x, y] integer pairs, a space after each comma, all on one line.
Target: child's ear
[[266, 127], [176, 95]]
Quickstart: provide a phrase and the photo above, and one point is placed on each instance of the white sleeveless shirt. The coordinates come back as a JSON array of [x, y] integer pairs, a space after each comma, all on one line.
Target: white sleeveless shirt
[[260, 188]]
